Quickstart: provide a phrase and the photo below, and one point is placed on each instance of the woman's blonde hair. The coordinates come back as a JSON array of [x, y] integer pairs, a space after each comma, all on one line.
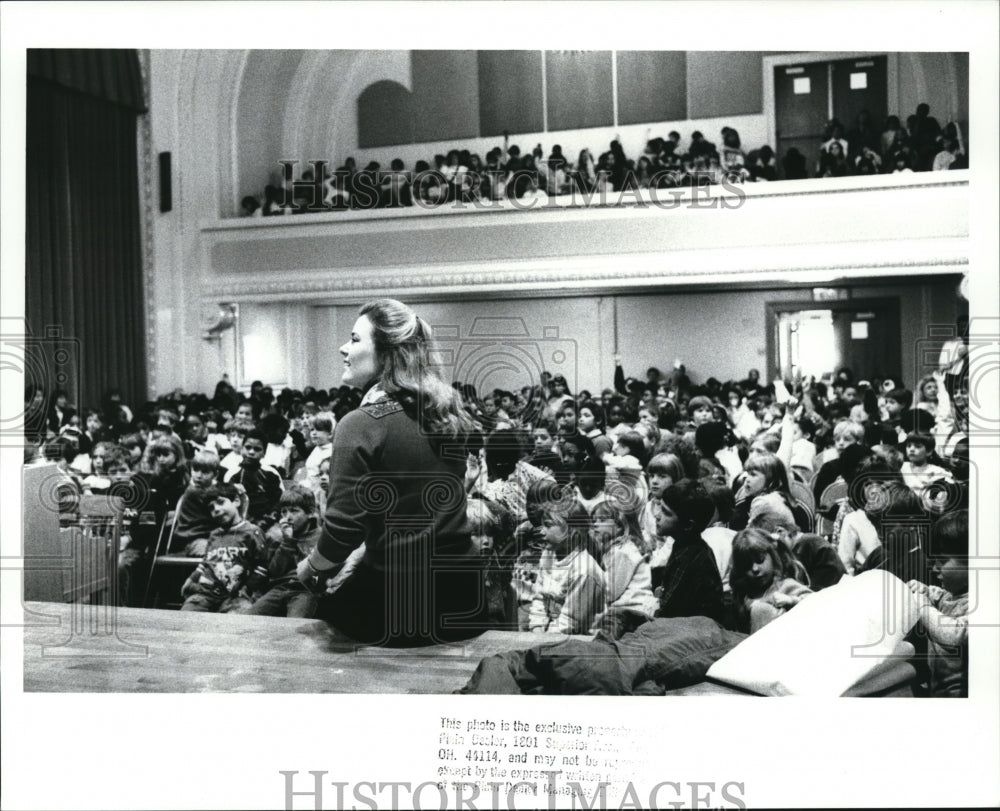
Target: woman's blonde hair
[[403, 350]]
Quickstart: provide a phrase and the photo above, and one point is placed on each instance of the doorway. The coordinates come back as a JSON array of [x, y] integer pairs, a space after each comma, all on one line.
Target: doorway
[[818, 338], [806, 93]]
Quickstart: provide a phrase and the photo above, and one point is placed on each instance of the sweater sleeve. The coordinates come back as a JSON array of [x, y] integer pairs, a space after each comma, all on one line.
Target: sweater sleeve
[[619, 568], [584, 601], [941, 628], [847, 545], [354, 448]]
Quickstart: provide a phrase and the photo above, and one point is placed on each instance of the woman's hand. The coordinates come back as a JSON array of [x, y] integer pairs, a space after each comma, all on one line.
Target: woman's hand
[[305, 572], [472, 471]]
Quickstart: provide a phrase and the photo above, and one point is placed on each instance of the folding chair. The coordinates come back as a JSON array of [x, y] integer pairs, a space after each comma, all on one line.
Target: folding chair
[[804, 498], [830, 496], [802, 494], [167, 568]]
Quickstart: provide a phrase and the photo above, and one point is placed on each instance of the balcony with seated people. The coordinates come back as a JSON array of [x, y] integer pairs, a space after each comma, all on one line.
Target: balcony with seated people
[[803, 230]]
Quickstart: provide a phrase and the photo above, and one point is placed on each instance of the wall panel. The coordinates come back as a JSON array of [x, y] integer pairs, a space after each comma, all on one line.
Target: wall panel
[[652, 86], [578, 86], [723, 83], [445, 95], [510, 92]]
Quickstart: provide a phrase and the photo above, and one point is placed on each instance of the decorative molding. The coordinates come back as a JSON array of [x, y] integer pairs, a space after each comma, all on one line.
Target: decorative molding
[[587, 275]]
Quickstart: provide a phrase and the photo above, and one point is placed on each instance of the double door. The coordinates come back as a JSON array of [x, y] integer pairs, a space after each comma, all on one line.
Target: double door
[[808, 95]]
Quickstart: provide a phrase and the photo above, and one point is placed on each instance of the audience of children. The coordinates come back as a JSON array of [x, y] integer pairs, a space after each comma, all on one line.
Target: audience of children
[[578, 543], [507, 173]]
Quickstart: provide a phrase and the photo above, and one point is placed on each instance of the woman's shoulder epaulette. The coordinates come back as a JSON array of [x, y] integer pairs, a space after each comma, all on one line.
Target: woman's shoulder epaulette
[[381, 408]]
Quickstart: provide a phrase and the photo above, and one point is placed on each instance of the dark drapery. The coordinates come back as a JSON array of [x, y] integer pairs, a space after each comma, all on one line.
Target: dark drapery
[[84, 286]]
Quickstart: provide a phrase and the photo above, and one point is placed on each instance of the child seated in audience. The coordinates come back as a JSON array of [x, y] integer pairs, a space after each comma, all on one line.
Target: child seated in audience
[[689, 585], [321, 436], [118, 469], [98, 480], [569, 591], [492, 531], [766, 473], [135, 447], [819, 559], [765, 578], [193, 522], [262, 482], [590, 480], [236, 431], [944, 609], [324, 484], [280, 444], [225, 579], [628, 590], [297, 531], [529, 544], [917, 470], [630, 447], [663, 470]]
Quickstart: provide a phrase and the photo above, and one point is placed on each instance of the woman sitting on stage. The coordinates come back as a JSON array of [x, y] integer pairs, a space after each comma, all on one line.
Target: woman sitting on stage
[[397, 485]]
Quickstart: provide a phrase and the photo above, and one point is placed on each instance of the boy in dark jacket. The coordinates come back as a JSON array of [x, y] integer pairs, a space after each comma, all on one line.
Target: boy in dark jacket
[[225, 581], [262, 482], [297, 531], [690, 585]]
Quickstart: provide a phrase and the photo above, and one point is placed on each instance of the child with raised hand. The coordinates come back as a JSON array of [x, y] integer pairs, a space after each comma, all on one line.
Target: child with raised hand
[[944, 609], [689, 585], [296, 533], [628, 586], [569, 591], [225, 580], [765, 578]]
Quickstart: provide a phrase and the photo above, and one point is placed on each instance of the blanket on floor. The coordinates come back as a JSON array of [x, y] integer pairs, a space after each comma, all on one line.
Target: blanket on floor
[[660, 655]]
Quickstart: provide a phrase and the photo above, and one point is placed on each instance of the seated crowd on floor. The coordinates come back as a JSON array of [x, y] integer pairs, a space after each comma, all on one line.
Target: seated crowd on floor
[[593, 511]]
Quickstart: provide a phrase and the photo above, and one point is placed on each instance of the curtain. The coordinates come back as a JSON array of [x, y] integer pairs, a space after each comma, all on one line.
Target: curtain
[[84, 285]]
